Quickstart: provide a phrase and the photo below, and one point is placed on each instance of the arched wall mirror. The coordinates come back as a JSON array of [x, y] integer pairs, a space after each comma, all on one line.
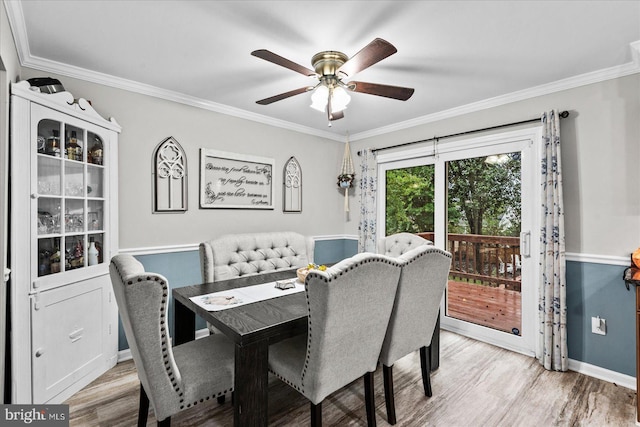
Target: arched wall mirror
[[292, 186], [169, 177]]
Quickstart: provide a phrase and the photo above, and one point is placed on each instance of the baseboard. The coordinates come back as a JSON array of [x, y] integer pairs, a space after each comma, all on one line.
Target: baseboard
[[594, 371], [124, 355]]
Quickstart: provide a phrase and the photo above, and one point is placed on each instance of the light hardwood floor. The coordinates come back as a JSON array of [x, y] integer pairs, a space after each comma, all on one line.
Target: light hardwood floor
[[477, 385]]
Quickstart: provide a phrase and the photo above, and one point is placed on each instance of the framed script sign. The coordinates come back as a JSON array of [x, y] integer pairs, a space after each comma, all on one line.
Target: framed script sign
[[236, 181]]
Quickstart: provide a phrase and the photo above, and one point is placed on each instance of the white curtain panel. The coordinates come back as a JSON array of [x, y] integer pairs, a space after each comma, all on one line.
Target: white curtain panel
[[368, 198], [552, 345]]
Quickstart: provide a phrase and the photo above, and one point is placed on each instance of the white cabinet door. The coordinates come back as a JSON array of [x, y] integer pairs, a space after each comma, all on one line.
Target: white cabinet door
[[64, 211], [68, 329]]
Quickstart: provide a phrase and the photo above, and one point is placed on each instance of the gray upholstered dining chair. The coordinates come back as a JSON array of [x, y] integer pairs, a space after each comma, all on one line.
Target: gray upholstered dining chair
[[395, 245], [348, 302], [171, 378], [415, 312]]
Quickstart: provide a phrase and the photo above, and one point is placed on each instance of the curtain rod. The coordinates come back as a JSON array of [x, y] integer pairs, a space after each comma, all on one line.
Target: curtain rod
[[563, 115]]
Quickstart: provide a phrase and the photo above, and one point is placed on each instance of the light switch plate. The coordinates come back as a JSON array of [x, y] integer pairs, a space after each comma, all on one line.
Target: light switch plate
[[598, 326]]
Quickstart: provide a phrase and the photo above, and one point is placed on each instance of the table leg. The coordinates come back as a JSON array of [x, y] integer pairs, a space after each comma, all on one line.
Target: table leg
[[251, 384], [434, 351], [184, 323]]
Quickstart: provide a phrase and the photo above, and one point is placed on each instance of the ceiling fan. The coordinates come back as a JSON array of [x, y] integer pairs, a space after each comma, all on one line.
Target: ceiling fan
[[330, 94]]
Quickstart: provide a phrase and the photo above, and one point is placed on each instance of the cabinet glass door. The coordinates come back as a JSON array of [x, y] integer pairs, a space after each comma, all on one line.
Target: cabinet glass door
[[70, 197]]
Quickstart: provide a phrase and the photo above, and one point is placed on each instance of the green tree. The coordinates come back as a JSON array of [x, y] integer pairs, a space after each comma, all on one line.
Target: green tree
[[409, 204], [483, 198], [486, 195]]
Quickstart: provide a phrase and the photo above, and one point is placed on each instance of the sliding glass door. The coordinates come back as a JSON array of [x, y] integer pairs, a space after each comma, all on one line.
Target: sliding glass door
[[476, 199]]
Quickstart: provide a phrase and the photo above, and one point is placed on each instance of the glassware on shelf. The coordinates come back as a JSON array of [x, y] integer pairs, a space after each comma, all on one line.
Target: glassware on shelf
[[52, 147], [74, 254], [48, 223], [41, 143], [93, 221], [44, 262], [94, 155], [48, 176], [92, 252], [74, 179], [73, 150], [55, 261]]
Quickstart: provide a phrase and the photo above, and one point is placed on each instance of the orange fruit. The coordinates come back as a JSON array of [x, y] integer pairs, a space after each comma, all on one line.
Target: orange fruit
[[635, 257]]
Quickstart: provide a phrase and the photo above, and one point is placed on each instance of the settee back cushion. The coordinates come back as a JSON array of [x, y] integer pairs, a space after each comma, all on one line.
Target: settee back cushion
[[236, 255], [400, 243]]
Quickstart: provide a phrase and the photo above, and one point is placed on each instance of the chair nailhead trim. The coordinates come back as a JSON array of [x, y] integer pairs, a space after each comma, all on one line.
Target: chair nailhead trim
[[165, 345], [201, 400]]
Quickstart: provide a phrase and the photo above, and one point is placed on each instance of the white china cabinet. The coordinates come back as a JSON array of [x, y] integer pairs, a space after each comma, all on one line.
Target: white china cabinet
[[64, 230]]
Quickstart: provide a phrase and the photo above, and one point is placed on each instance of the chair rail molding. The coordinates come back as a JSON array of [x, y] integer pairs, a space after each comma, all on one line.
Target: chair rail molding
[[166, 249]]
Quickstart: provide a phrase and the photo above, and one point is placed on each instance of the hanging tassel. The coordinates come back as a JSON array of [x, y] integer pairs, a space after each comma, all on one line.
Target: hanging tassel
[[347, 174], [346, 200]]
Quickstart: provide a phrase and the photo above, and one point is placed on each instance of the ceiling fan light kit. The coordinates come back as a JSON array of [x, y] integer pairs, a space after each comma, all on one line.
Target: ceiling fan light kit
[[330, 95]]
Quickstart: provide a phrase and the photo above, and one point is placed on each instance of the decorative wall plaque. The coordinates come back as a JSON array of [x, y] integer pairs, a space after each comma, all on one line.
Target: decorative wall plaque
[[229, 180], [169, 177], [292, 186]]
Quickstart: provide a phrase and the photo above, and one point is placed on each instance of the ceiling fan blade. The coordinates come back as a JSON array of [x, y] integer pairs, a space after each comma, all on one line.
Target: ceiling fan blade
[[283, 62], [374, 52], [395, 92], [285, 95]]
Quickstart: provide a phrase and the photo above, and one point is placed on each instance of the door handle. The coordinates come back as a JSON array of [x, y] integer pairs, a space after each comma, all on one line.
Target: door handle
[[525, 244], [76, 335]]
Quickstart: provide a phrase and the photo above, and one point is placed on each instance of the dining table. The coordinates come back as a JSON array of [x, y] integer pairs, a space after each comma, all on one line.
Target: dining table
[[252, 327]]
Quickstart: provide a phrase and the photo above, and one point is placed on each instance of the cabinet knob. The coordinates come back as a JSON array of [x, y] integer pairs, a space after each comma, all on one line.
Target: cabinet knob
[[34, 196], [39, 352]]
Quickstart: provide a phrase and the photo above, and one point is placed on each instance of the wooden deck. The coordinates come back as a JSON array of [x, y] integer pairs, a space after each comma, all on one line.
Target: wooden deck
[[494, 307]]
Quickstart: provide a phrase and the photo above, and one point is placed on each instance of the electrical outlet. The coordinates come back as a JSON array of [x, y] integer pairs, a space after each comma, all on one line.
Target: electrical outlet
[[598, 326]]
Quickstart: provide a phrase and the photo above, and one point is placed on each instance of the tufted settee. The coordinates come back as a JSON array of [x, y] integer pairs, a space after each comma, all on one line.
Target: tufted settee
[[397, 244], [236, 255]]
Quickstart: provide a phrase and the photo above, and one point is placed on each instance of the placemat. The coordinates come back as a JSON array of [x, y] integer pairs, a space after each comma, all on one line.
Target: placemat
[[231, 298]]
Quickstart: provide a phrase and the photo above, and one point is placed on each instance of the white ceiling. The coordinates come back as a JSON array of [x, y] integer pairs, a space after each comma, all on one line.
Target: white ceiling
[[458, 55]]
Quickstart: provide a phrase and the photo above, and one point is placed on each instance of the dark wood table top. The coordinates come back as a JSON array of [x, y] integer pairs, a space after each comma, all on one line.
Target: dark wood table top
[[272, 319]]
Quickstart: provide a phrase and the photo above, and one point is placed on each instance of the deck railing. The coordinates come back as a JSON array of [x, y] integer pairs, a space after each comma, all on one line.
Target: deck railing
[[490, 260]]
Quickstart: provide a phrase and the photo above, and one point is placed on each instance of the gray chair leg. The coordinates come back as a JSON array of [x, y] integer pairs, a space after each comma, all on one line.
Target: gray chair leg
[[426, 370], [316, 415], [389, 400], [369, 399], [143, 409]]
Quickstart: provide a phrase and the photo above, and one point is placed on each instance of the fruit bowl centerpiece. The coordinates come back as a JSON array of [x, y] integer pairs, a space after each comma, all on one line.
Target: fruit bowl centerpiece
[[303, 271]]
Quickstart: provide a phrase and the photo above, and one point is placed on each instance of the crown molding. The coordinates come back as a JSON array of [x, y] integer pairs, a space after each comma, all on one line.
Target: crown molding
[[18, 28]]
